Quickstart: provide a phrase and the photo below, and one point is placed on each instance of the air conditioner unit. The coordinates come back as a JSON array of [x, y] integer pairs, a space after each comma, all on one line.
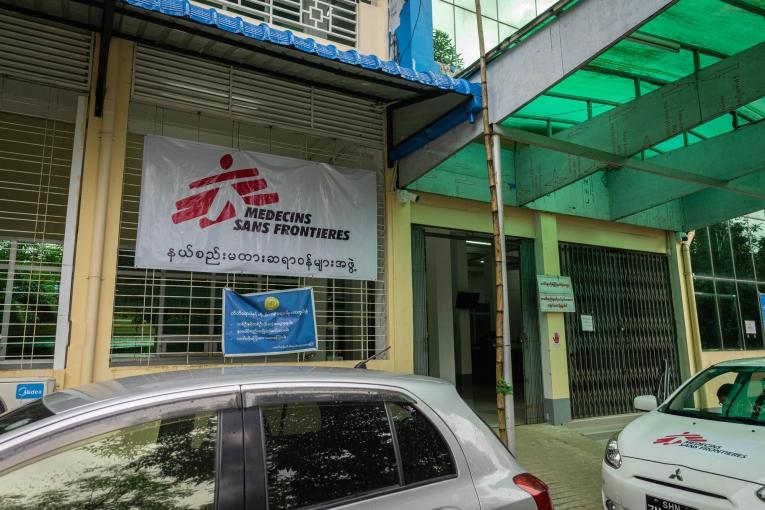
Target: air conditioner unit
[[17, 391]]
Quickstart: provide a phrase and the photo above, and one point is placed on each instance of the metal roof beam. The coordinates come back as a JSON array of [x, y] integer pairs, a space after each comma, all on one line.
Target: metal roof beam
[[668, 42], [644, 122], [711, 206], [631, 192], [626, 75], [107, 27], [603, 158], [581, 98], [746, 6], [536, 64]]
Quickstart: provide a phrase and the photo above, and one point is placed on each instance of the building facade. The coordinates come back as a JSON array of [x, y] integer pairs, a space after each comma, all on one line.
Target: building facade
[[78, 309], [728, 271]]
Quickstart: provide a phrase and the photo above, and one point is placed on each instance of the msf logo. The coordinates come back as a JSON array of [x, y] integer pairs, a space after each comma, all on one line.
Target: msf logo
[[218, 193], [680, 438]]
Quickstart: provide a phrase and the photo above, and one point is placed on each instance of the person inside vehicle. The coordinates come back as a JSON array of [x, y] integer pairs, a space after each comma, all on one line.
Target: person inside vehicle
[[734, 400], [759, 407], [723, 393]]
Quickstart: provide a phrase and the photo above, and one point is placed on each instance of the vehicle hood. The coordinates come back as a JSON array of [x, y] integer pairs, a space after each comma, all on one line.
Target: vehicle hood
[[727, 449]]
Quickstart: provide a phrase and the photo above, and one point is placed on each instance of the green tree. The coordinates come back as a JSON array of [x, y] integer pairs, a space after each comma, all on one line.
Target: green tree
[[445, 51]]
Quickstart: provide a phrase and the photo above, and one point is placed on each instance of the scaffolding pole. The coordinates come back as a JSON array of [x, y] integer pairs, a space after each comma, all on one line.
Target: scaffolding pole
[[503, 373]]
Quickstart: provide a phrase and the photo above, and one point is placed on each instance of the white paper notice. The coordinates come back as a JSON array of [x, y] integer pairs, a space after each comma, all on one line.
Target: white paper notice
[[587, 324], [751, 327]]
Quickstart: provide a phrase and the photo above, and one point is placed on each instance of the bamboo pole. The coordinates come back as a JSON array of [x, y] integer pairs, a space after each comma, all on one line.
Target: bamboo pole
[[502, 357]]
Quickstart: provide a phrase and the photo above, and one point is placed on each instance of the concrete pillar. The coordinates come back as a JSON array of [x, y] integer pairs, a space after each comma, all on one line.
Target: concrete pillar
[[398, 283], [97, 230], [440, 309], [460, 283], [681, 297], [557, 402]]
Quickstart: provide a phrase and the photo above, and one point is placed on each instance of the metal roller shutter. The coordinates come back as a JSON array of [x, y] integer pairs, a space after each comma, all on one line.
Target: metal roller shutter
[[164, 78], [44, 53], [634, 340]]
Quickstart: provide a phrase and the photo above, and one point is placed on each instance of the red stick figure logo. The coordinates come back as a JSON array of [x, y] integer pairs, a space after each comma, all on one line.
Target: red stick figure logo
[[240, 186], [679, 438]]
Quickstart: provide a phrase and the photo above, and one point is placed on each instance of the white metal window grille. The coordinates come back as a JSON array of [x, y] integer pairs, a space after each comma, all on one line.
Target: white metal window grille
[[167, 79], [44, 53], [35, 165], [333, 20], [163, 317]]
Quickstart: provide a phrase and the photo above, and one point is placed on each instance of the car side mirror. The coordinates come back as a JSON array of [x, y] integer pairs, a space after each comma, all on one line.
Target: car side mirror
[[645, 403]]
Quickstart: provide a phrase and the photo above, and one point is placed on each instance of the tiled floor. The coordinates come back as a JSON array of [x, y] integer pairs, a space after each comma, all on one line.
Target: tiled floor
[[569, 463], [564, 459]]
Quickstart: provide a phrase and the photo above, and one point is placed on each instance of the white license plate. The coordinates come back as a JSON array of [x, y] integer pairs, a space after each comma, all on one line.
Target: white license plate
[[654, 503]]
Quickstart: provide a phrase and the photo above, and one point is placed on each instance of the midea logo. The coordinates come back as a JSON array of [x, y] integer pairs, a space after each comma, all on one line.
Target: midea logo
[[29, 391]]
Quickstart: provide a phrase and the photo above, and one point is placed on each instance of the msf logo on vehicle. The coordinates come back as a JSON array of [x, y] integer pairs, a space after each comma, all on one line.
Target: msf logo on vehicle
[[680, 438], [699, 443], [217, 195]]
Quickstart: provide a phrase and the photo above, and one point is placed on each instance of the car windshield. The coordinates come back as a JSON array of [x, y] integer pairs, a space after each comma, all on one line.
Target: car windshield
[[735, 394], [23, 415]]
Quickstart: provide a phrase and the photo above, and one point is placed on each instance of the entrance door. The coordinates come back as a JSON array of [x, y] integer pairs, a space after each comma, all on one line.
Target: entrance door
[[532, 347], [633, 339], [454, 331]]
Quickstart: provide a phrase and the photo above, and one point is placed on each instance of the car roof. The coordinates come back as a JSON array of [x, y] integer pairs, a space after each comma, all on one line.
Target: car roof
[[743, 362], [137, 387]]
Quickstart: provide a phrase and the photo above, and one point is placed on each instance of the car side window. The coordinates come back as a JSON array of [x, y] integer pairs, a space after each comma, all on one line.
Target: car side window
[[323, 451], [424, 452], [169, 464]]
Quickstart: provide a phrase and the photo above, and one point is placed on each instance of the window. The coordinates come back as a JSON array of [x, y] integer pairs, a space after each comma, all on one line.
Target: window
[[167, 464], [424, 453], [729, 274], [724, 394], [334, 20], [501, 19], [35, 161], [319, 452], [175, 316], [29, 413]]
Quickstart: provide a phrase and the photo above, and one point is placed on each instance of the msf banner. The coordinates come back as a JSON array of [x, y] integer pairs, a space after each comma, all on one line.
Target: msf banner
[[268, 323], [208, 208]]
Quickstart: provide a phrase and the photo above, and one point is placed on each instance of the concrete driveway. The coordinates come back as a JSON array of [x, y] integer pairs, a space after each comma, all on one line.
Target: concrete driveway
[[568, 458], [567, 461]]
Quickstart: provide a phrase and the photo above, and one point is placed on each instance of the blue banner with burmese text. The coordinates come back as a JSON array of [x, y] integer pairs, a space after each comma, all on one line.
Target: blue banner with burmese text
[[268, 323]]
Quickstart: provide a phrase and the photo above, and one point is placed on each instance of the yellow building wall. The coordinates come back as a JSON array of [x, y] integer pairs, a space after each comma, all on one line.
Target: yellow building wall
[[551, 324], [709, 358], [372, 29], [82, 253], [473, 216], [467, 215], [693, 344], [430, 210]]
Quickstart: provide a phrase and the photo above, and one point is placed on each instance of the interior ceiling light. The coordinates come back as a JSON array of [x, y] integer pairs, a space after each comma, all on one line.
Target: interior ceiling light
[[479, 243]]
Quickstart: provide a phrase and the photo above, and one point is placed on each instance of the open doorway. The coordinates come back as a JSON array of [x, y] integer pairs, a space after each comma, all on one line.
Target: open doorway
[[455, 303]]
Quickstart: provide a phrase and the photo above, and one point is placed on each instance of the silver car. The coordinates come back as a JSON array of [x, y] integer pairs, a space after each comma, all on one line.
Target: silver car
[[259, 438]]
